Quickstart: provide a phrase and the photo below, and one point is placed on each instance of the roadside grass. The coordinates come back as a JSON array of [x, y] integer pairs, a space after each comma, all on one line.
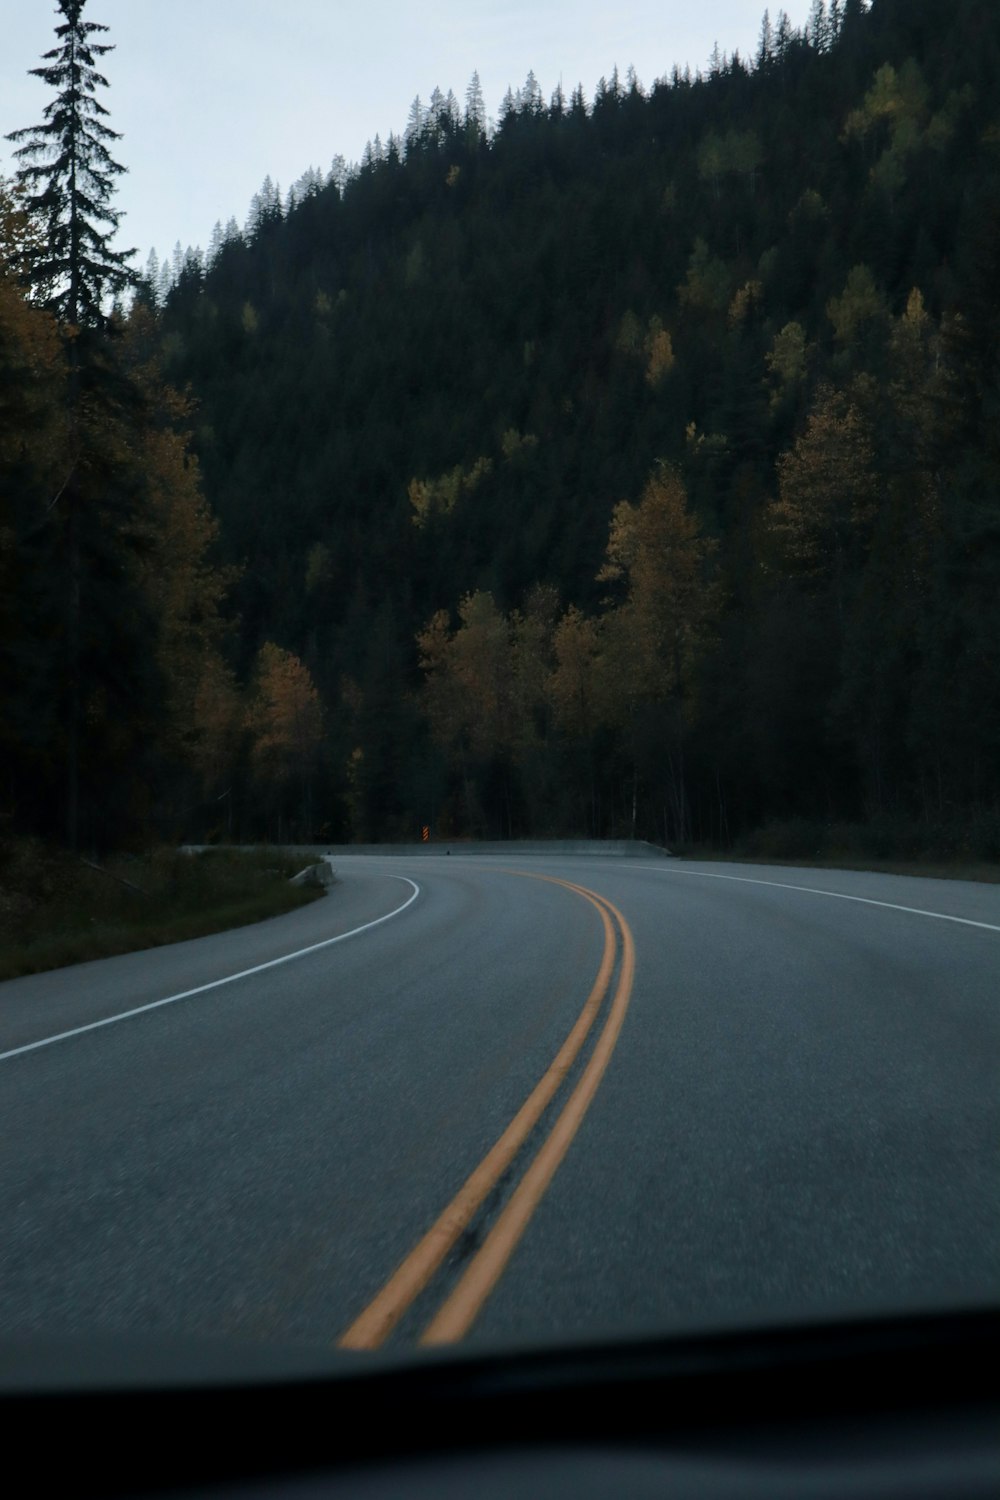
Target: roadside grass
[[969, 850], [927, 869], [56, 909]]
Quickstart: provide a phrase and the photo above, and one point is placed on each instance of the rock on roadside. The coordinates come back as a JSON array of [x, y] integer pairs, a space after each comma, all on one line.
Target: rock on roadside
[[318, 874]]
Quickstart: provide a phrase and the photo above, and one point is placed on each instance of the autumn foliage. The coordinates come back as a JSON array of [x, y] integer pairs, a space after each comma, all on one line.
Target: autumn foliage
[[631, 468]]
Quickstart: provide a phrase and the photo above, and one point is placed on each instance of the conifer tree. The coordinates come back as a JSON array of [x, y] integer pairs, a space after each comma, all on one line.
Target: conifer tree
[[88, 544], [416, 120], [69, 175], [475, 104], [819, 26], [765, 48]]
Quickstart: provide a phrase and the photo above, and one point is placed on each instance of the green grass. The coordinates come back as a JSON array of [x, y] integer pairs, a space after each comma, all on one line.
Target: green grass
[[927, 869], [968, 849], [56, 910]]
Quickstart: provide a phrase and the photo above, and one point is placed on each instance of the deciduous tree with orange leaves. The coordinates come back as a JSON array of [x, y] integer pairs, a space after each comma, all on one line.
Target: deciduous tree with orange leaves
[[285, 722], [657, 554], [827, 490]]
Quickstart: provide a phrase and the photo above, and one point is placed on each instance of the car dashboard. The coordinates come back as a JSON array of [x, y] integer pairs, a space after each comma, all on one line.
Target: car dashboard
[[870, 1408]]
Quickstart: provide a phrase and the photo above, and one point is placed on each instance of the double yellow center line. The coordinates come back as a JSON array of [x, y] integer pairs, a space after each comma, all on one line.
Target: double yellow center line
[[460, 1309]]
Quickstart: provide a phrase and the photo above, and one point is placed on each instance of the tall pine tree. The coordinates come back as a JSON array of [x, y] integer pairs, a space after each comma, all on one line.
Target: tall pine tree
[[88, 534], [68, 173]]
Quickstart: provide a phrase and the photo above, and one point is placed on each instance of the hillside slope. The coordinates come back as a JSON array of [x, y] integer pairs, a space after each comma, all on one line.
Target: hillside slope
[[761, 308]]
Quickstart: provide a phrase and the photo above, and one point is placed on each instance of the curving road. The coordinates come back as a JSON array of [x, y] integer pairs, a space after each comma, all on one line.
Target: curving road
[[457, 1099]]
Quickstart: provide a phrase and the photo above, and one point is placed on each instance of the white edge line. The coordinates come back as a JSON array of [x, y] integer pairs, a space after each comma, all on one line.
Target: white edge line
[[782, 885], [214, 984]]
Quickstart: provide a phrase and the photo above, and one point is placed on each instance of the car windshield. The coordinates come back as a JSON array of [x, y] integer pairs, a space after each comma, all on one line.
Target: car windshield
[[499, 683]]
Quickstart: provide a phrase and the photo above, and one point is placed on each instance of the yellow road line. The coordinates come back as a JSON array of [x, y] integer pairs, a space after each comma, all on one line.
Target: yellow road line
[[459, 1311], [382, 1314]]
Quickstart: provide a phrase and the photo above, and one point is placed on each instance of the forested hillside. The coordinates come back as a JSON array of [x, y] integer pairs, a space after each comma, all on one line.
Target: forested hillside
[[631, 469]]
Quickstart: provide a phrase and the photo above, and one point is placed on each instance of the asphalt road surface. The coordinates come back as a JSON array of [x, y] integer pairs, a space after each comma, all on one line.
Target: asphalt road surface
[[459, 1098]]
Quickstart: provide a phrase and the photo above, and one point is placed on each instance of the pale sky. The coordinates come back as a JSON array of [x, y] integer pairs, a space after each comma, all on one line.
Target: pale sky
[[213, 95]]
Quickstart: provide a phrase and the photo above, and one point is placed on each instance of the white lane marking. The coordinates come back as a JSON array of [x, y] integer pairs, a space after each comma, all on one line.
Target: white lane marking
[[214, 984], [782, 885]]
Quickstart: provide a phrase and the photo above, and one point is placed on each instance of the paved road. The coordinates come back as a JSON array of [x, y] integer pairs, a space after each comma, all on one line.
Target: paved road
[[800, 1110]]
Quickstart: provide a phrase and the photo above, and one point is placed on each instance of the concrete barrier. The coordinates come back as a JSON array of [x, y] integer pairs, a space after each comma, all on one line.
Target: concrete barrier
[[319, 873], [510, 848]]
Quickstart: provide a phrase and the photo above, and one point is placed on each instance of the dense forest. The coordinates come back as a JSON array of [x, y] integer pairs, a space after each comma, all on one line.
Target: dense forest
[[631, 467]]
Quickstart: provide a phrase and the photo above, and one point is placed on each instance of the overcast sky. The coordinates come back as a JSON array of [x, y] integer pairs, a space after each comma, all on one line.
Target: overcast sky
[[213, 95]]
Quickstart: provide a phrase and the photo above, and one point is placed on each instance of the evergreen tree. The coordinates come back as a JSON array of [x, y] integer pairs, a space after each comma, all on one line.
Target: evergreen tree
[[475, 105], [83, 555], [216, 243], [153, 275], [436, 108], [819, 26], [531, 95], [415, 123], [69, 174]]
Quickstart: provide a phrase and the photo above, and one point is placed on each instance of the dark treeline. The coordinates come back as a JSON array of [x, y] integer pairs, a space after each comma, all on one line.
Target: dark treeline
[[632, 468], [111, 601]]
